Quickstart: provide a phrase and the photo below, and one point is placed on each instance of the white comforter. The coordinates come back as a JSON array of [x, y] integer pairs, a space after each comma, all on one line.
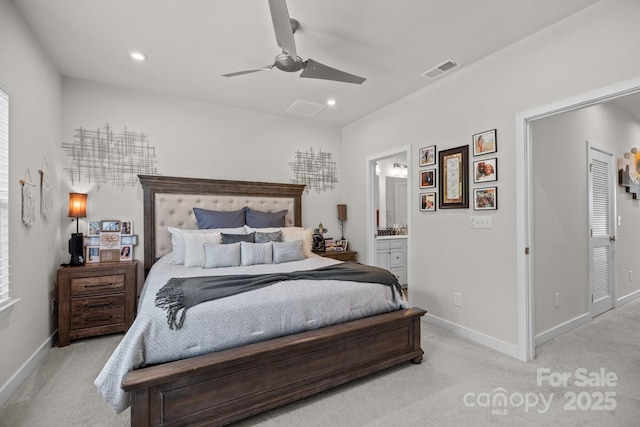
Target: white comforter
[[280, 309]]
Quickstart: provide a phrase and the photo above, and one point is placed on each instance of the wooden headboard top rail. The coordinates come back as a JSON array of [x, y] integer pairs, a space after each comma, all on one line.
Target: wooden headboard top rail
[[168, 201]]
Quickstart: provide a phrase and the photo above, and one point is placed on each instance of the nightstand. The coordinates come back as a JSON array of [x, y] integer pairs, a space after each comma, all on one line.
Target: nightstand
[[340, 255], [95, 299]]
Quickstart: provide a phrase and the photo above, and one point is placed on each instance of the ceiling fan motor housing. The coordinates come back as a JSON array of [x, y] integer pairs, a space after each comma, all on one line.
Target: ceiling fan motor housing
[[285, 62]]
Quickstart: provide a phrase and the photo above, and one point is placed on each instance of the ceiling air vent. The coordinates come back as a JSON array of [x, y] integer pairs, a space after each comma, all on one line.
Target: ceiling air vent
[[306, 108], [441, 69]]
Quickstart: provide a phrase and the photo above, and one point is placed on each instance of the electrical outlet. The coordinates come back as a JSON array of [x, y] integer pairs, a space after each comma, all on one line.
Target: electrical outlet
[[53, 306], [557, 299], [457, 299]]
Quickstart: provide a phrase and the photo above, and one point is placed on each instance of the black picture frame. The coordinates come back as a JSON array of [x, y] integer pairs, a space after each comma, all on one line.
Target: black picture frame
[[485, 142], [427, 156], [485, 170], [428, 178], [485, 198]]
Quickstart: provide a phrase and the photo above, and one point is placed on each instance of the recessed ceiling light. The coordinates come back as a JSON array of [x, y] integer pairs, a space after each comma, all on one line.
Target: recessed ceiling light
[[138, 56], [331, 102]]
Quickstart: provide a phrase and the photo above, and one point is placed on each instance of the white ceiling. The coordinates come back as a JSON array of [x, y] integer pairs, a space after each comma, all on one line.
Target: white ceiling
[[190, 43]]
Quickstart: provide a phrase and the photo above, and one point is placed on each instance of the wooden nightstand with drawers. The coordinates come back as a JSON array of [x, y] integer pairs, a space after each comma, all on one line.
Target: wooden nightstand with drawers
[[340, 255], [96, 299]]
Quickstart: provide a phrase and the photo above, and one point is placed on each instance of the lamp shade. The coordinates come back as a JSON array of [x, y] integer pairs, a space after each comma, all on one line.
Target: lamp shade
[[77, 205], [342, 212]]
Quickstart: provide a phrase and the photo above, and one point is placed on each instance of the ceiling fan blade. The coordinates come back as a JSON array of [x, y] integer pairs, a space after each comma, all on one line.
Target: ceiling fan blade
[[316, 70], [239, 73], [282, 26]]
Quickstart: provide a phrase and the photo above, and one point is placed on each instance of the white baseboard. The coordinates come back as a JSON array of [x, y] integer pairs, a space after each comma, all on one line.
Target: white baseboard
[[474, 336], [628, 298], [560, 329], [25, 370]]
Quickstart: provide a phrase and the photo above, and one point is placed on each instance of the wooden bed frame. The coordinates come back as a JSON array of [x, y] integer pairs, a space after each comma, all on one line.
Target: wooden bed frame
[[226, 386]]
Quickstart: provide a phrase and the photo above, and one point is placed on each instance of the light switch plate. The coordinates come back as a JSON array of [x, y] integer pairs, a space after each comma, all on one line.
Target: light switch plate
[[480, 222]]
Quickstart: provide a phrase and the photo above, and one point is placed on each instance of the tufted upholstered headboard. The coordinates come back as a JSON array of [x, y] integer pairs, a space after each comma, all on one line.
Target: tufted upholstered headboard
[[169, 202]]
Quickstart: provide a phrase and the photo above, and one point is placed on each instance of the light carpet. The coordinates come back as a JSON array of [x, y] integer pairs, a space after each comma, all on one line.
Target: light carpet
[[458, 383]]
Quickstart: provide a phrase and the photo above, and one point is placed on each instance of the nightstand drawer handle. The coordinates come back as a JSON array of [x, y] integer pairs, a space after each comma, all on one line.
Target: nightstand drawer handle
[[98, 304], [101, 319], [98, 285]]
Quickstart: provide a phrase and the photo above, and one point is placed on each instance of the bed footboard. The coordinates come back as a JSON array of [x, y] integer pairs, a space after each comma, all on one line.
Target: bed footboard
[[230, 385]]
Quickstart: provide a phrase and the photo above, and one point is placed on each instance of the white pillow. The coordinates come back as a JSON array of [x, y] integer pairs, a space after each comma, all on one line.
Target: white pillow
[[290, 234], [194, 247], [256, 253], [177, 239], [217, 255], [287, 251]]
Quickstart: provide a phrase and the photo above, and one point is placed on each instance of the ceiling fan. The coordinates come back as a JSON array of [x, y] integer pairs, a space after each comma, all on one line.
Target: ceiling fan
[[288, 60]]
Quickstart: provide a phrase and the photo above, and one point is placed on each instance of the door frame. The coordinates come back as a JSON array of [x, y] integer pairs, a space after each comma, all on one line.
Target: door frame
[[369, 218], [524, 230]]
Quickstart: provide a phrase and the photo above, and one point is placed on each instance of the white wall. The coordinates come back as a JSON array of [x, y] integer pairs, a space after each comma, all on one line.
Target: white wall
[[34, 89], [560, 210], [591, 49], [195, 139]]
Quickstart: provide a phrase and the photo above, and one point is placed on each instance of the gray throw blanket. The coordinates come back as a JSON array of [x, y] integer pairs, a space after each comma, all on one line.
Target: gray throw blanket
[[181, 293]]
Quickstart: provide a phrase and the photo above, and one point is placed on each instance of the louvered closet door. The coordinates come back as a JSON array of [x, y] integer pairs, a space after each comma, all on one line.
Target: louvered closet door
[[602, 229]]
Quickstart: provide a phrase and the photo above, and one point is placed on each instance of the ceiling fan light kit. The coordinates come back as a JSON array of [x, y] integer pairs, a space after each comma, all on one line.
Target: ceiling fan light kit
[[289, 60]]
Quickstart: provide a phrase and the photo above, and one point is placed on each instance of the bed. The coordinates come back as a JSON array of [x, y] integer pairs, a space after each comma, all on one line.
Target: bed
[[223, 386]]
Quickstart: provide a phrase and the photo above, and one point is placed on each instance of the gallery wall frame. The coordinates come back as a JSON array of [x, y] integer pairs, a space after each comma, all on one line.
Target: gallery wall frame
[[485, 198], [485, 170], [428, 178], [454, 178], [427, 156], [428, 202], [485, 142]]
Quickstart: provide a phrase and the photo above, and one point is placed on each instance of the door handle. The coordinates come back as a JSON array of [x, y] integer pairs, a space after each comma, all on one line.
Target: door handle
[[612, 238]]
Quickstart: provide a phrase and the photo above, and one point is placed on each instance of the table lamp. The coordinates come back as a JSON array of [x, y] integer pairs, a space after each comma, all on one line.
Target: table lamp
[[342, 217], [77, 209]]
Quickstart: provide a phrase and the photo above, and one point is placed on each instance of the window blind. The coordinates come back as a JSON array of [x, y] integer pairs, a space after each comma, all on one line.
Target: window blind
[[4, 199]]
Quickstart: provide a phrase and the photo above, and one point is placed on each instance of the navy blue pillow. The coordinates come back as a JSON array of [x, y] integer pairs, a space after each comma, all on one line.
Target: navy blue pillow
[[257, 219], [235, 238], [219, 219]]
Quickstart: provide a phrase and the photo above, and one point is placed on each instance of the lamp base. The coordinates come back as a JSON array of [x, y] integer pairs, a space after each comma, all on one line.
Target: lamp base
[[76, 249]]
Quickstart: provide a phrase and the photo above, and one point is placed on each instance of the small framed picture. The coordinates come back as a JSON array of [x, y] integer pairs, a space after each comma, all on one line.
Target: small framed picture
[[110, 240], [110, 225], [428, 202], [109, 255], [428, 156], [485, 142], [93, 228], [93, 254], [485, 198], [341, 245], [126, 253], [485, 170], [92, 240], [129, 240], [428, 178], [126, 227]]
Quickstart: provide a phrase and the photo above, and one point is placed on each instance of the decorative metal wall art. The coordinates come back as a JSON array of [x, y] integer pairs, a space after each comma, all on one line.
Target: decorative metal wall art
[[101, 156], [316, 171]]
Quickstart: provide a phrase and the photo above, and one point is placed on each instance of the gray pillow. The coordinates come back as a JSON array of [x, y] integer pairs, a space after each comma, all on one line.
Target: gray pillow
[[268, 237], [219, 219], [235, 238], [287, 251], [256, 253], [257, 219], [216, 255]]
